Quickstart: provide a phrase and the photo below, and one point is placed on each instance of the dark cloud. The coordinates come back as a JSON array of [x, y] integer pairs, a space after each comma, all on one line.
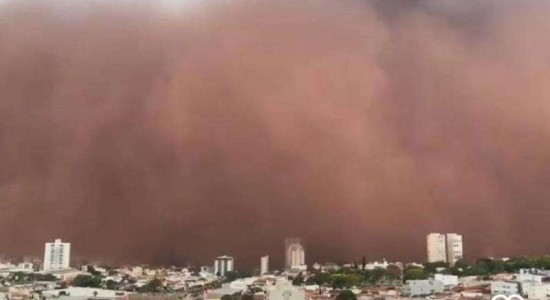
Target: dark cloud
[[173, 132]]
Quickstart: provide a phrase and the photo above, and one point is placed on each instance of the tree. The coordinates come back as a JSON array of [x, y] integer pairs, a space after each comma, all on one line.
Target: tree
[[298, 280], [93, 271], [414, 274], [319, 278], [461, 264], [111, 285], [377, 275], [44, 277], [431, 267], [247, 297], [153, 286], [363, 263], [346, 295], [87, 281], [234, 275], [393, 273]]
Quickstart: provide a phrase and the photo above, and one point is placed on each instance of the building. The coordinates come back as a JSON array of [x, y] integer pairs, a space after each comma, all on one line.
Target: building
[[377, 265], [57, 255], [538, 291], [414, 288], [294, 254], [454, 248], [436, 247], [506, 288], [264, 265], [284, 290], [85, 293], [217, 294], [223, 264], [529, 275], [449, 281]]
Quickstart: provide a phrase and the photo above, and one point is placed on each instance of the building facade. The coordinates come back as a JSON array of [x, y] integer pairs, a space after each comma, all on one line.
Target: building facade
[[506, 288], [284, 290], [57, 255], [295, 255], [449, 281], [454, 248], [436, 247], [415, 288], [223, 264], [538, 291], [264, 265]]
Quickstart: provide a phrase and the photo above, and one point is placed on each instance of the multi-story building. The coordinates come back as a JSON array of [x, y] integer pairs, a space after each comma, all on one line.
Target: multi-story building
[[436, 248], [454, 248], [294, 254], [57, 255], [264, 265], [223, 264], [506, 288]]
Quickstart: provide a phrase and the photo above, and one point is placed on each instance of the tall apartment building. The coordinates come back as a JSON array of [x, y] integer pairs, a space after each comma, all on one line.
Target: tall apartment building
[[294, 254], [454, 248], [57, 255], [223, 264], [264, 265], [445, 248], [436, 247]]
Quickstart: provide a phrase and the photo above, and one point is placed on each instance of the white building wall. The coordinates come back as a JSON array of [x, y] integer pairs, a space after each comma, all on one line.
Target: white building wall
[[506, 288], [284, 290], [448, 281], [223, 264], [294, 253], [264, 265], [415, 288], [436, 247], [538, 291], [57, 255], [524, 276], [454, 248]]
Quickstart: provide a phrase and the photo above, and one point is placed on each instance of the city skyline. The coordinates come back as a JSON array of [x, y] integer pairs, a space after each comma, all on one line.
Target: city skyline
[[167, 135], [441, 248]]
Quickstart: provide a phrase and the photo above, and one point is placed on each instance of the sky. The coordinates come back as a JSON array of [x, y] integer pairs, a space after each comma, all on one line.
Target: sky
[[173, 132]]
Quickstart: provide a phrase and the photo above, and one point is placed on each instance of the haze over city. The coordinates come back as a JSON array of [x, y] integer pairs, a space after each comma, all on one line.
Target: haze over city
[[171, 132]]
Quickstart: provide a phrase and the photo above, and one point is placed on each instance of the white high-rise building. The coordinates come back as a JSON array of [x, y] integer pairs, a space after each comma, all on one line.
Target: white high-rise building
[[436, 247], [295, 255], [57, 255], [264, 265], [454, 248], [223, 264]]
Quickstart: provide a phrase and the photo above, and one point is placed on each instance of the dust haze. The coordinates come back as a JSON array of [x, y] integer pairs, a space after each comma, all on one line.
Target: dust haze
[[170, 132]]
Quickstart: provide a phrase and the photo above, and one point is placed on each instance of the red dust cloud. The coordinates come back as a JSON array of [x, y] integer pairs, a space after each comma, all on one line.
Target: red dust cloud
[[170, 132]]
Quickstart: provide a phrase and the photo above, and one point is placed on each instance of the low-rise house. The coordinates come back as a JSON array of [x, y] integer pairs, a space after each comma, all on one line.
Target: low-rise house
[[414, 288], [529, 275], [85, 293], [538, 291], [449, 281], [377, 265], [506, 288], [217, 294], [284, 290], [66, 274]]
